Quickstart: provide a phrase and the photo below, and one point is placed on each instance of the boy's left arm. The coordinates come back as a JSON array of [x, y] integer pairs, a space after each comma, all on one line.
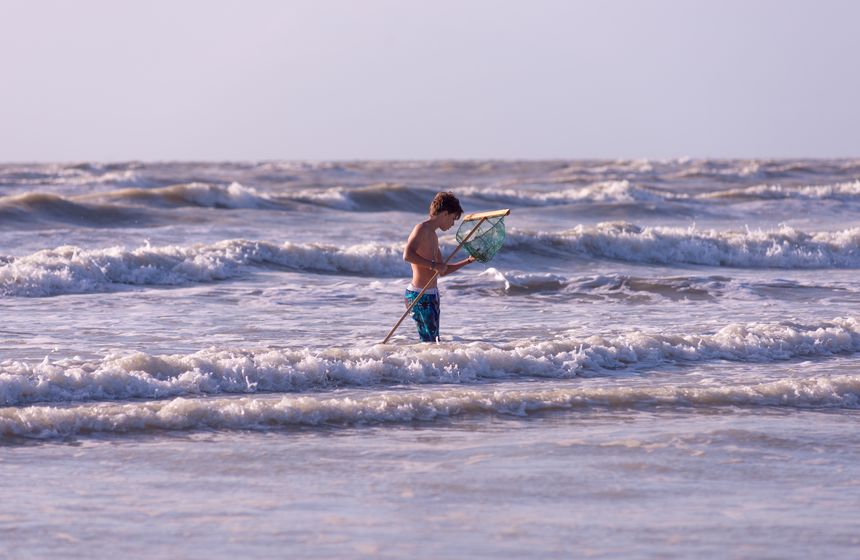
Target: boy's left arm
[[458, 265]]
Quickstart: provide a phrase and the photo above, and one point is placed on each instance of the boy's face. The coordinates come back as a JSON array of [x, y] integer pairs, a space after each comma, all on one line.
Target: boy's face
[[447, 220]]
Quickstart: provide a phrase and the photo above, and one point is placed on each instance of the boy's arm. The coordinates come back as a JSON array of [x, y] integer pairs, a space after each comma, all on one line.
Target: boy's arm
[[453, 267], [458, 265]]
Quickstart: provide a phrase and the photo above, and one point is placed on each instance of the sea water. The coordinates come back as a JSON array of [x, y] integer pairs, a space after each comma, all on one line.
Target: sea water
[[662, 361]]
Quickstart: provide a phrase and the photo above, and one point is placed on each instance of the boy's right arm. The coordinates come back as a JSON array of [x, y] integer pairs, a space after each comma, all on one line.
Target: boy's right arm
[[410, 254]]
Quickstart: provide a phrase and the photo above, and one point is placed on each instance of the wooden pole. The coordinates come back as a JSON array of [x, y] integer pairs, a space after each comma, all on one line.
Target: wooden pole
[[435, 274]]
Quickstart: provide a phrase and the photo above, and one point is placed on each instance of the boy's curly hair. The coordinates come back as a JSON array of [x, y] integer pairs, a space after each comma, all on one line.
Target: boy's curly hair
[[446, 202]]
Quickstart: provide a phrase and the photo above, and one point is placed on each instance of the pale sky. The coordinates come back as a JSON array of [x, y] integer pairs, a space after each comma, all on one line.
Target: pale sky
[[374, 79]]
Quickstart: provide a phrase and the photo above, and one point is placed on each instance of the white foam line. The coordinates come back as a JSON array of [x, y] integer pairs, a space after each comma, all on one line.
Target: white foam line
[[46, 422]]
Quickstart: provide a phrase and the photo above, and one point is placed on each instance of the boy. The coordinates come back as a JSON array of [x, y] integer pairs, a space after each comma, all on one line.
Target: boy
[[422, 252]]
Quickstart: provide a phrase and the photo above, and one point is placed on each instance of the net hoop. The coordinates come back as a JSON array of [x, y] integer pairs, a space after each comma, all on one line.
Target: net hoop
[[488, 236]]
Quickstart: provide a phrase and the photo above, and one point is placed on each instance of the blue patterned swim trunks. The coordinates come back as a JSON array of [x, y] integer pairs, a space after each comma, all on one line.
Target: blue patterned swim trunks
[[425, 312]]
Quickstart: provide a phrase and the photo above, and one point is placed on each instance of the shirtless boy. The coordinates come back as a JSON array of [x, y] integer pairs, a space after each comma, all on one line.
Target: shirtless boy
[[422, 252]]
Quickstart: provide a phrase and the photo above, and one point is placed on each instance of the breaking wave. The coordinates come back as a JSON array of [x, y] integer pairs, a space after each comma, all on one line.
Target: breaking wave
[[213, 371], [70, 270], [784, 247], [256, 413]]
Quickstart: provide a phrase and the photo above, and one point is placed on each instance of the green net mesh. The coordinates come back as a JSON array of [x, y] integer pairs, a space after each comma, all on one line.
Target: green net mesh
[[486, 240]]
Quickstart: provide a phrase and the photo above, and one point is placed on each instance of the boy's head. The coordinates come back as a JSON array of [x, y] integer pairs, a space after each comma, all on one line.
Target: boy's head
[[446, 202]]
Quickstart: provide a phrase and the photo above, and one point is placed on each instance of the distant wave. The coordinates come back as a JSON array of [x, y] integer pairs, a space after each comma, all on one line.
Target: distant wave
[[607, 191], [69, 270], [121, 208], [81, 174], [380, 197], [118, 208], [387, 196], [33, 209], [785, 247], [840, 191], [728, 170], [735, 170], [214, 371], [266, 413], [205, 195], [190, 194]]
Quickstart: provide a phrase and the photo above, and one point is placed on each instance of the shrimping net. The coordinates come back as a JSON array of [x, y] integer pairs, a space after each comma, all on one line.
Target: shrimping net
[[486, 240]]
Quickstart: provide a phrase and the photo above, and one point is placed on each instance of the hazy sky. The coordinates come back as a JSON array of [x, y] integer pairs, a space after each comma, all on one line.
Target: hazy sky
[[401, 79]]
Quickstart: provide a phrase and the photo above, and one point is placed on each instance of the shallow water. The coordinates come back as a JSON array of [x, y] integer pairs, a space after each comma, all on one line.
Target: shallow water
[[661, 362], [633, 483]]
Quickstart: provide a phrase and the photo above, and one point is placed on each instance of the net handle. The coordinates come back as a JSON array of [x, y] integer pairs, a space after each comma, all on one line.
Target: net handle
[[435, 274], [490, 214]]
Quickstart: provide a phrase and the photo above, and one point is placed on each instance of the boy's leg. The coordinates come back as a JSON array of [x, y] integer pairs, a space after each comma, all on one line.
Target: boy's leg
[[431, 310], [425, 313]]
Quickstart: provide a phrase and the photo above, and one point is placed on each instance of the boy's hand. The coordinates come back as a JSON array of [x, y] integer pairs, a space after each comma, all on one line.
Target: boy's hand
[[440, 267]]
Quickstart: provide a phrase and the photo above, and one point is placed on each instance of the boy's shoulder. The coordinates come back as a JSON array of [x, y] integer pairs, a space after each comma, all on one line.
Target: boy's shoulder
[[424, 227]]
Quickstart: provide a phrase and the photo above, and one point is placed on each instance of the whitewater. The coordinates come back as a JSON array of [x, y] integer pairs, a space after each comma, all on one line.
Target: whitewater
[[663, 357]]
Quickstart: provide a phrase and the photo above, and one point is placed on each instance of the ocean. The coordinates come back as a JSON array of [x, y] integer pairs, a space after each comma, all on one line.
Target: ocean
[[662, 361]]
